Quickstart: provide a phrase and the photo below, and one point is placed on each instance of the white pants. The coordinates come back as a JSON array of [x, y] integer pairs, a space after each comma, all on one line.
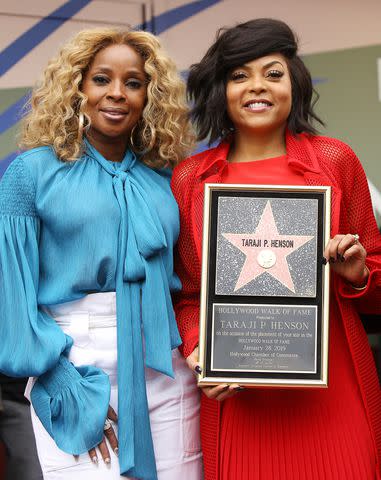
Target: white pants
[[173, 403]]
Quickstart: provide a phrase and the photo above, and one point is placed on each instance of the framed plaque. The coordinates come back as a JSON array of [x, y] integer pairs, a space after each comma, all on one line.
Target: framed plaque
[[265, 286]]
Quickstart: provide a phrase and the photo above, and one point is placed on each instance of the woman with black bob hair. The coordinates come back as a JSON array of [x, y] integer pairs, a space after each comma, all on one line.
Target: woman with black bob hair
[[235, 47], [252, 92]]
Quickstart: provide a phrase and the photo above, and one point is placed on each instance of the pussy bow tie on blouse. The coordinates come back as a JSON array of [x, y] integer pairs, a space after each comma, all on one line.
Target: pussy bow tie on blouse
[[143, 303]]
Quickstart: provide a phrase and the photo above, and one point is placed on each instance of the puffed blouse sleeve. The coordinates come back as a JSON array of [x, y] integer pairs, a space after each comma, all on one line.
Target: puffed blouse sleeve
[[71, 402]]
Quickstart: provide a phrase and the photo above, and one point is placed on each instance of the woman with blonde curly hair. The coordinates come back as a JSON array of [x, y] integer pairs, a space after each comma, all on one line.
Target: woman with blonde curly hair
[[87, 228]]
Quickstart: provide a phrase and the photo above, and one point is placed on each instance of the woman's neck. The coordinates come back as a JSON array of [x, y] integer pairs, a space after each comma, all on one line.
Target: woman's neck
[[248, 148], [113, 151]]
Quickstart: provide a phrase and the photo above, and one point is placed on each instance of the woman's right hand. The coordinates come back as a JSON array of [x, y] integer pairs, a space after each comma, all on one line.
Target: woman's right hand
[[109, 433], [220, 392]]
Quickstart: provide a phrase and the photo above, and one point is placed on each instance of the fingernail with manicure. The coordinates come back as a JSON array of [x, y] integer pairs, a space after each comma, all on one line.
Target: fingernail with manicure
[[107, 460], [116, 451], [239, 388], [332, 260], [94, 460], [198, 369]]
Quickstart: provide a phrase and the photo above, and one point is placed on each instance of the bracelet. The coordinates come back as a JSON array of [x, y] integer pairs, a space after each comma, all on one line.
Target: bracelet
[[360, 288], [366, 284]]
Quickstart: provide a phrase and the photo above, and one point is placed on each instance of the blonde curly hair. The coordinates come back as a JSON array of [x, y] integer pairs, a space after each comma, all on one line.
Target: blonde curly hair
[[162, 137]]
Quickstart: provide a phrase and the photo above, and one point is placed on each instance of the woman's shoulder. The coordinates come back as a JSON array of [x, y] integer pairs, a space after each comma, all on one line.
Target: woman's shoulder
[[164, 172], [189, 166], [37, 152], [32, 160], [331, 148], [33, 168], [22, 165], [35, 157], [184, 175], [18, 184], [43, 163]]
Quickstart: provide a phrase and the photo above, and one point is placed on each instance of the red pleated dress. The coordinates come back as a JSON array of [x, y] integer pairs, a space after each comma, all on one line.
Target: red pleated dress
[[297, 434]]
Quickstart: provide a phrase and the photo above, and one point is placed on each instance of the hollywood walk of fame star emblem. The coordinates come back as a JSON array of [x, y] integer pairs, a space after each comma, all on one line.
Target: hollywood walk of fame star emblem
[[266, 251]]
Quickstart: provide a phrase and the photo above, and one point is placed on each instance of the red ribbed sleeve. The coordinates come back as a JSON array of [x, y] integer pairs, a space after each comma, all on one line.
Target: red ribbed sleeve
[[187, 264], [356, 216]]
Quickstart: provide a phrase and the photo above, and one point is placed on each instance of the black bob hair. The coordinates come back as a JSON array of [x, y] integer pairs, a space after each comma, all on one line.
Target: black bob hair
[[233, 48]]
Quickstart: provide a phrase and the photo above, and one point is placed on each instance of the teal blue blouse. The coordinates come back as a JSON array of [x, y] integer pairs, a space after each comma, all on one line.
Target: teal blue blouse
[[67, 229]]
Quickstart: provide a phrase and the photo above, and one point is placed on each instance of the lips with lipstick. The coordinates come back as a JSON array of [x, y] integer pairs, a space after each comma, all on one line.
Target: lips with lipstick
[[114, 114], [259, 105]]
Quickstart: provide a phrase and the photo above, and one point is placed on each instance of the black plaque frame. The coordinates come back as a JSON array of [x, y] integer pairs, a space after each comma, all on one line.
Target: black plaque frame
[[210, 300]]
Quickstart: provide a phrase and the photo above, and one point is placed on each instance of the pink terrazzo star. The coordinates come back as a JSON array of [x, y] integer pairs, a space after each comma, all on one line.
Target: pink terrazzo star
[[266, 243]]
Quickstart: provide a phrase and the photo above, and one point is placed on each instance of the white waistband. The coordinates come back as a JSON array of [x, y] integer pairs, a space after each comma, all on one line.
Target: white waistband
[[98, 309]]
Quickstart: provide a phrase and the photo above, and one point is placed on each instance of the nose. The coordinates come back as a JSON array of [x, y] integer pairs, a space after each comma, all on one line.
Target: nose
[[257, 84], [116, 91]]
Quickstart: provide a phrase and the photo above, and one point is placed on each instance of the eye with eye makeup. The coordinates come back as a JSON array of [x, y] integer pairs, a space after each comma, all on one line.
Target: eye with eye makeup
[[274, 74], [131, 83], [238, 75], [134, 84], [100, 79]]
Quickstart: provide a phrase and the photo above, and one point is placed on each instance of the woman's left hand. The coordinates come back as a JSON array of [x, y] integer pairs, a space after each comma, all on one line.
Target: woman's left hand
[[219, 392], [347, 257], [111, 437]]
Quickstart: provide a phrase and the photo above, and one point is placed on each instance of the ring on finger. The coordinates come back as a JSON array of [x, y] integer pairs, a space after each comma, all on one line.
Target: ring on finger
[[107, 425], [356, 238]]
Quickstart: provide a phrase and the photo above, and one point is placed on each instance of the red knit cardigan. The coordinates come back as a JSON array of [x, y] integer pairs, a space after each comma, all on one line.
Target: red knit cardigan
[[322, 161]]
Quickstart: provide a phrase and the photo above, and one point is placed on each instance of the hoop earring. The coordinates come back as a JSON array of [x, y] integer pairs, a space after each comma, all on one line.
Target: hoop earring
[[143, 146], [227, 132], [81, 125], [132, 137]]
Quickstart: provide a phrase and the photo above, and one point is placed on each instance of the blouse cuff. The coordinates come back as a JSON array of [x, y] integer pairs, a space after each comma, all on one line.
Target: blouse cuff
[[72, 404]]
